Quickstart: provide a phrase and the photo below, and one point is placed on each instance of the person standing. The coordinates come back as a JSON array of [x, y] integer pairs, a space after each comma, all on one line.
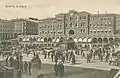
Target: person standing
[[56, 69], [26, 67], [52, 56], [63, 58], [45, 54], [88, 58], [49, 54], [56, 58], [66, 55], [61, 69], [29, 67]]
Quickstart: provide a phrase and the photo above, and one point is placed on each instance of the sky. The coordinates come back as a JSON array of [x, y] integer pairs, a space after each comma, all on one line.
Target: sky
[[48, 8]]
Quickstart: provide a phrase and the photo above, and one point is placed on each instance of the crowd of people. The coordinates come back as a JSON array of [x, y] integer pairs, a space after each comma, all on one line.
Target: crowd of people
[[59, 57]]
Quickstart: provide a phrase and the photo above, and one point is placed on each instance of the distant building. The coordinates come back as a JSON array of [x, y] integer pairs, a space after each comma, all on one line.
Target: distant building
[[6, 30], [78, 28], [25, 27]]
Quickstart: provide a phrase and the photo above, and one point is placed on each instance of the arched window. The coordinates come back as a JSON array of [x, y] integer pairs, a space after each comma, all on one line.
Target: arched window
[[94, 40], [100, 40], [49, 39], [71, 32], [20, 40], [45, 39], [105, 40]]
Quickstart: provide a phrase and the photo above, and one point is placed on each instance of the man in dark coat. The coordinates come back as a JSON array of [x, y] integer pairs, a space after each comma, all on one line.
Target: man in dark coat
[[52, 56], [29, 67], [61, 69], [45, 54], [26, 67], [56, 58], [56, 69]]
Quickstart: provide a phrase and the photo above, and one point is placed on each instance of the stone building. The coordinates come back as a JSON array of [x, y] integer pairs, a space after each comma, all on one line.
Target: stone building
[[25, 27], [78, 29], [6, 29]]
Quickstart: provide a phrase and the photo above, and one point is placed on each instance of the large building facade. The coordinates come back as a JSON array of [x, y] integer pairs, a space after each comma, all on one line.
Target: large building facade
[[6, 30], [25, 27], [84, 28]]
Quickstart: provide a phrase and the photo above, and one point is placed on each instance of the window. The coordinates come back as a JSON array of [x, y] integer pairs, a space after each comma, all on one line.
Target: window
[[66, 25], [101, 24], [105, 31], [109, 18], [101, 18], [80, 18], [84, 17], [98, 24], [94, 31], [76, 24], [81, 30], [70, 18], [90, 24], [70, 24], [110, 24], [81, 24], [60, 26], [105, 24], [98, 31]]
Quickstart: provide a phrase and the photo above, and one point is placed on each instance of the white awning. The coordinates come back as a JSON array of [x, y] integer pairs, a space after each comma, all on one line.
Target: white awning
[[57, 40], [76, 40], [53, 40], [80, 39], [89, 40], [27, 39], [38, 39], [24, 39], [85, 40], [42, 40]]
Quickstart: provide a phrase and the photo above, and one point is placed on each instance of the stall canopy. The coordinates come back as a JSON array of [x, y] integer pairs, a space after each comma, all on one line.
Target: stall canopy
[[80, 39], [42, 39], [57, 40], [38, 39], [89, 40], [75, 40], [53, 40], [85, 40]]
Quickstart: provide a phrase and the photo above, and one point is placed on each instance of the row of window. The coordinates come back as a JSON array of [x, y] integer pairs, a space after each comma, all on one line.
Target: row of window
[[7, 30], [82, 30], [101, 31], [104, 18], [5, 26], [50, 32], [102, 24]]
